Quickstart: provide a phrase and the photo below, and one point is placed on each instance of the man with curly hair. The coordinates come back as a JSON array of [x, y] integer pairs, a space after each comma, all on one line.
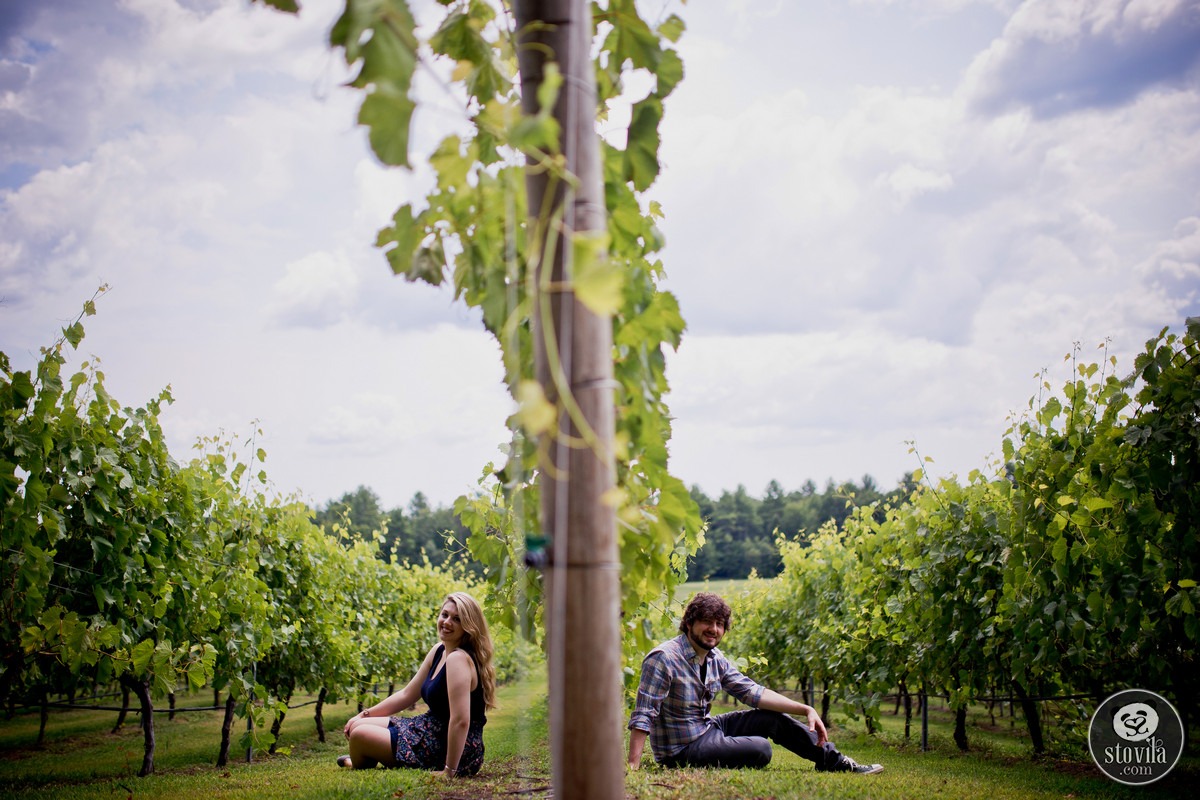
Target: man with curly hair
[[679, 680]]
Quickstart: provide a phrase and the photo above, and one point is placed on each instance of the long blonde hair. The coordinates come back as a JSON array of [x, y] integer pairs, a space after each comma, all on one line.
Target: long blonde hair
[[477, 641]]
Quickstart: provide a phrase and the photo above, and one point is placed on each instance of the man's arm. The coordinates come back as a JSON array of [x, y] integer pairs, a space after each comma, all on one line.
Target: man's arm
[[637, 741], [653, 687], [774, 701]]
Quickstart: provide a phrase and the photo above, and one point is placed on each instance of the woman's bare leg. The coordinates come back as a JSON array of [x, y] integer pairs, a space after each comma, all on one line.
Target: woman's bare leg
[[371, 744]]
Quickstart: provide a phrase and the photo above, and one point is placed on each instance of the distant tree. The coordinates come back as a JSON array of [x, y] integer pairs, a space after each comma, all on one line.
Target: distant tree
[[358, 511], [741, 534], [423, 532], [703, 502], [771, 509]]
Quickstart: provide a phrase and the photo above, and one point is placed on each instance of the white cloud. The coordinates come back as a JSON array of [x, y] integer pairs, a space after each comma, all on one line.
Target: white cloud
[[1059, 56], [317, 291], [876, 237], [751, 409], [908, 181]]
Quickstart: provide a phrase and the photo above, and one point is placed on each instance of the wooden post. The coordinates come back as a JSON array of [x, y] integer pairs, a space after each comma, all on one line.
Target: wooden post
[[583, 574], [924, 720]]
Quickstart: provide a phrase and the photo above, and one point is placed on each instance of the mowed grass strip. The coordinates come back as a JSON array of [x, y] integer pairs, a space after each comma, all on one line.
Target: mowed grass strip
[[82, 759]]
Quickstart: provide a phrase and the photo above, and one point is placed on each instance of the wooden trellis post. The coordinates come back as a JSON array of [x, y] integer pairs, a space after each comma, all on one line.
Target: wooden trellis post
[[583, 575]]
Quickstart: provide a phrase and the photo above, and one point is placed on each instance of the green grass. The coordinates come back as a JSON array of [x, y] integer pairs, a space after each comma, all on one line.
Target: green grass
[[729, 588], [83, 760], [998, 767]]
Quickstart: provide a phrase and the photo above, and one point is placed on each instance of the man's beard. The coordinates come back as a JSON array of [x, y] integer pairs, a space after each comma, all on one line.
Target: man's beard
[[701, 644]]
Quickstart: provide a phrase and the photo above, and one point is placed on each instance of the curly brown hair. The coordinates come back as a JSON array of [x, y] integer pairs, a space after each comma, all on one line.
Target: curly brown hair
[[706, 605]]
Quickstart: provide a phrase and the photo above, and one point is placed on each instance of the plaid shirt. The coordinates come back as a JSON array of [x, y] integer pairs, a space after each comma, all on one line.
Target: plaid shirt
[[673, 705]]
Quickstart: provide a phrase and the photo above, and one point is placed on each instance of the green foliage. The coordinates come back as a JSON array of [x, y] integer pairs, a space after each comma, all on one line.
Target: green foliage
[[1072, 573], [741, 531], [98, 562], [473, 229], [120, 565]]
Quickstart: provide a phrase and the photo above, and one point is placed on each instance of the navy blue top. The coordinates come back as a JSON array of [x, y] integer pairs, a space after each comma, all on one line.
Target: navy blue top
[[436, 696]]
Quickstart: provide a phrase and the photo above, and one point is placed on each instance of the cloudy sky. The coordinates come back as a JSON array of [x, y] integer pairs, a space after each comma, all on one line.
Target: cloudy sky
[[884, 219]]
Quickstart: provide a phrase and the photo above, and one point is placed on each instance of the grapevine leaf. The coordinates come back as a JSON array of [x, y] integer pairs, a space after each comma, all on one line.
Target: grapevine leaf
[[387, 115], [22, 387], [597, 279], [535, 414], [669, 73], [288, 6], [672, 28], [140, 656], [451, 166], [641, 151], [634, 41], [74, 334]]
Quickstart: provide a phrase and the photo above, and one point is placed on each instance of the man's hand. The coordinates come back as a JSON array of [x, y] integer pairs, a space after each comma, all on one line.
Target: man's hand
[[818, 727]]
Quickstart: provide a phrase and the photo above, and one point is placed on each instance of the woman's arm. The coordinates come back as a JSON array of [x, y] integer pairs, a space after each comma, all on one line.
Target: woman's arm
[[397, 701], [460, 673]]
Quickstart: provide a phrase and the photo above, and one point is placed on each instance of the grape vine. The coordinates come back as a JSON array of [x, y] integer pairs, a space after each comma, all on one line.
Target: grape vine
[[1070, 574], [475, 231]]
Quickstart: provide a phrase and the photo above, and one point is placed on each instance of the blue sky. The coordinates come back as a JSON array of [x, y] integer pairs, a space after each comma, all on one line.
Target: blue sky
[[884, 220]]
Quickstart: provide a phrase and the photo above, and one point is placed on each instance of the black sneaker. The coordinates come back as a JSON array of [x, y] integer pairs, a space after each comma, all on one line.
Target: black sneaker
[[848, 764]]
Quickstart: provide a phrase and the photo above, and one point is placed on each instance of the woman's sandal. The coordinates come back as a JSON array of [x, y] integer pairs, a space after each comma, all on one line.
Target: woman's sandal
[[344, 761]]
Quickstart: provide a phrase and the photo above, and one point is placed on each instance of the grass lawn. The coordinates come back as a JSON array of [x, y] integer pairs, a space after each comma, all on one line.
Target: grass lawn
[[729, 588], [82, 759]]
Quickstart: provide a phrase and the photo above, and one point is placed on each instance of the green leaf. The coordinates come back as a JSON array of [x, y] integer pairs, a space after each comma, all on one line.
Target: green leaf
[[597, 280], [196, 675], [641, 150], [287, 6], [547, 92], [458, 37], [1059, 550], [141, 654], [22, 387], [388, 115], [669, 73], [672, 28], [632, 38], [405, 233], [74, 334], [533, 133], [535, 414], [450, 164]]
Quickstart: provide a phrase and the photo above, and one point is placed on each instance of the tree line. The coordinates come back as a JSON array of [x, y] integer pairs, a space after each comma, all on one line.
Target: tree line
[[415, 533], [741, 535], [742, 532]]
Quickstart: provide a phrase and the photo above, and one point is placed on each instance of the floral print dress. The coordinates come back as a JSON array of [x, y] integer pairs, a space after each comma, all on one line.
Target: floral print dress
[[420, 741]]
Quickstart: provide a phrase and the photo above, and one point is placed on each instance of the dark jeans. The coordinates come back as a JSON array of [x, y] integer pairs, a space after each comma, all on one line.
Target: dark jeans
[[739, 739]]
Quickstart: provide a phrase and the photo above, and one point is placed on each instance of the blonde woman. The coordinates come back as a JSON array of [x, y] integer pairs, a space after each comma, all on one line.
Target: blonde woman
[[457, 682]]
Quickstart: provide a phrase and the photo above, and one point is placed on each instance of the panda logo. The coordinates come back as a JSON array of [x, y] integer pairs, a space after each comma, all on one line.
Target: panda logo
[[1135, 722]]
